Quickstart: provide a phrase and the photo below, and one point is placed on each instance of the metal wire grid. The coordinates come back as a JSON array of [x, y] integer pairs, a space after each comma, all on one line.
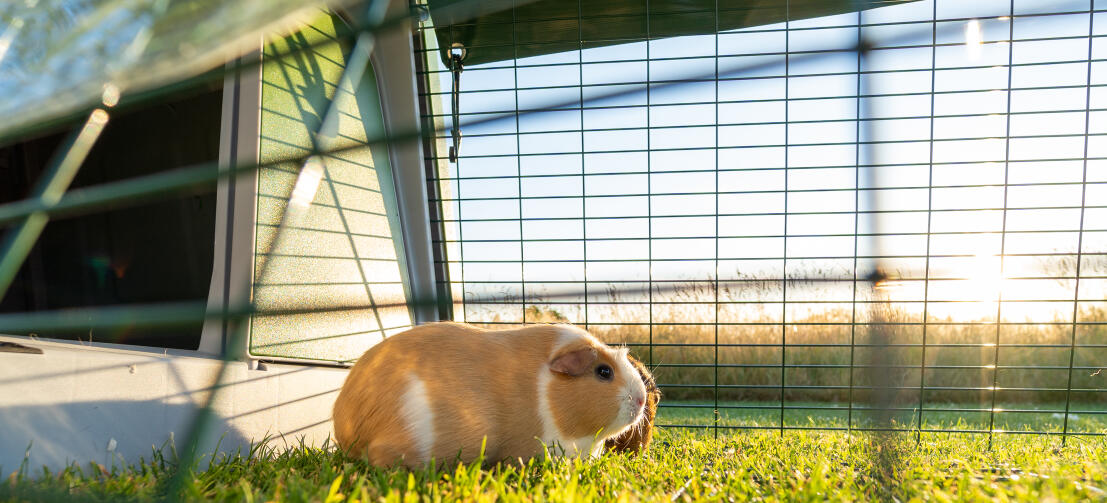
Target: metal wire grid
[[451, 246], [52, 199]]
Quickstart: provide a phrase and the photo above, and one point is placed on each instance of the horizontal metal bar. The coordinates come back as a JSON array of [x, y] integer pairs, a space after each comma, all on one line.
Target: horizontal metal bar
[[708, 79], [687, 259], [733, 124], [721, 170], [796, 278], [811, 277], [848, 345], [861, 387], [765, 191], [550, 298], [774, 213], [777, 145], [751, 427], [841, 324], [537, 298], [867, 408], [809, 168], [757, 236], [868, 366], [693, 281], [576, 106], [879, 430]]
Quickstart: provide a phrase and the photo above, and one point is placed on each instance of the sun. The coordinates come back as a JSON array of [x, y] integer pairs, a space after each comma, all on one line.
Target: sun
[[1026, 294], [986, 278]]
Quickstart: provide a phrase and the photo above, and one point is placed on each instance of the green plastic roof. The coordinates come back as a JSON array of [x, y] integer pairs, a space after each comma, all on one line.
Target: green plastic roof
[[550, 26]]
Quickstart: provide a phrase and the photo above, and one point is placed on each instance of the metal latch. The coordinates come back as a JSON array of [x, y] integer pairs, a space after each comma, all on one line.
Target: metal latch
[[457, 55]]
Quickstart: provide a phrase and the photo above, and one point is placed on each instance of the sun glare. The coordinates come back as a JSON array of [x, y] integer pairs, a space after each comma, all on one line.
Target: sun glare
[[986, 279], [974, 40], [989, 279]]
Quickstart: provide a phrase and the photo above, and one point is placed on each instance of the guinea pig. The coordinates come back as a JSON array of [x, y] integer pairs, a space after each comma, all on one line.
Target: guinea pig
[[636, 438], [442, 391]]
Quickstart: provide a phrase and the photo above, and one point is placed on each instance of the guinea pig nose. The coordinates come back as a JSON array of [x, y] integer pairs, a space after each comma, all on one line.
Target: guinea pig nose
[[639, 401]]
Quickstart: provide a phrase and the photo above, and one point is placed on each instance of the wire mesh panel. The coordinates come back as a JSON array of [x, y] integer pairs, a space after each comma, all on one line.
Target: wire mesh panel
[[795, 222], [862, 216]]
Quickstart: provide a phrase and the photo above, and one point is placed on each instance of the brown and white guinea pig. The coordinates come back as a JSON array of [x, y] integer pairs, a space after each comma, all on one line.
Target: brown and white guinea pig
[[637, 438], [440, 390]]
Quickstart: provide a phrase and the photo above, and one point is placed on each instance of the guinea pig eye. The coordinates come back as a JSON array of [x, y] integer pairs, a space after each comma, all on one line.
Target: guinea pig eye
[[604, 372]]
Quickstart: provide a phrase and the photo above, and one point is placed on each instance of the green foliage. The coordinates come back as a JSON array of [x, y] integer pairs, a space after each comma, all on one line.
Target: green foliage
[[539, 314], [815, 345]]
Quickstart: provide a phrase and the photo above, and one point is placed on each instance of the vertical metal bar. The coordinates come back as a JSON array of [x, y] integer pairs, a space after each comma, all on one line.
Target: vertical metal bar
[[519, 168], [456, 67], [929, 218], [649, 189], [1003, 231], [583, 181], [63, 167], [460, 241], [436, 213], [716, 327], [1080, 234], [856, 224], [784, 264], [456, 166]]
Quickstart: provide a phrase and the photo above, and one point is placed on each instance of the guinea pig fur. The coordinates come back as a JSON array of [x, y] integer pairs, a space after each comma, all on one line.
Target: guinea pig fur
[[441, 390], [637, 438]]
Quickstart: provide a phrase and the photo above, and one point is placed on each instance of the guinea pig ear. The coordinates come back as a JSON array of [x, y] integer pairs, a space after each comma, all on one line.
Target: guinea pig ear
[[575, 362]]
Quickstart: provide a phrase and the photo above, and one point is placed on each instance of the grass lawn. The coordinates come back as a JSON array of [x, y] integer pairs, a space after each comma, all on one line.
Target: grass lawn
[[682, 464]]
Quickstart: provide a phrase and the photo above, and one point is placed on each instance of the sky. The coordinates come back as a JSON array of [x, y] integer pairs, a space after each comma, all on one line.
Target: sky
[[649, 193]]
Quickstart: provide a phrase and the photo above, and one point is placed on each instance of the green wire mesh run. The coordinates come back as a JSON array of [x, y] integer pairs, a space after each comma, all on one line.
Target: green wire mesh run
[[885, 220], [780, 219]]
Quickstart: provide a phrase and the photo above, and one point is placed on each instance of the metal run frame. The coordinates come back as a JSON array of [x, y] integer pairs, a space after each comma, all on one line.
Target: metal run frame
[[867, 279], [871, 328]]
